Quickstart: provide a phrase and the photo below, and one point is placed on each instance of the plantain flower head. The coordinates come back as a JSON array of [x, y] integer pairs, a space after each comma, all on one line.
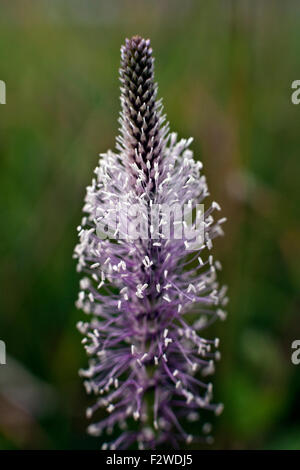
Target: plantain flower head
[[149, 285]]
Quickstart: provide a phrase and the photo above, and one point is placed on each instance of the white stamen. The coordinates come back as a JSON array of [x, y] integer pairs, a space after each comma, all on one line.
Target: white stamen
[[95, 265], [110, 408], [219, 409], [215, 205]]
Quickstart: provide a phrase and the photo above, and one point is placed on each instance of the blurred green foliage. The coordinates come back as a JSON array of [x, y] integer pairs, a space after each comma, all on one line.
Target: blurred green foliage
[[225, 71]]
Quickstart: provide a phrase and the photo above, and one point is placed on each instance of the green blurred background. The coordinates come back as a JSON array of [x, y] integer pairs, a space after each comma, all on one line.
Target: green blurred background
[[225, 70]]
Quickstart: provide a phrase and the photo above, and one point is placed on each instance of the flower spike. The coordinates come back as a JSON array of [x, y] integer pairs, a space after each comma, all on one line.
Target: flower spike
[[149, 283]]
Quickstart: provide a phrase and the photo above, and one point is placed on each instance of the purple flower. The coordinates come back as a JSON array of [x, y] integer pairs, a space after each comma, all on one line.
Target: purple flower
[[149, 292]]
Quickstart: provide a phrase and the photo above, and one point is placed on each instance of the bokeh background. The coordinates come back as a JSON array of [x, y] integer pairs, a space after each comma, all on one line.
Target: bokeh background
[[225, 70]]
